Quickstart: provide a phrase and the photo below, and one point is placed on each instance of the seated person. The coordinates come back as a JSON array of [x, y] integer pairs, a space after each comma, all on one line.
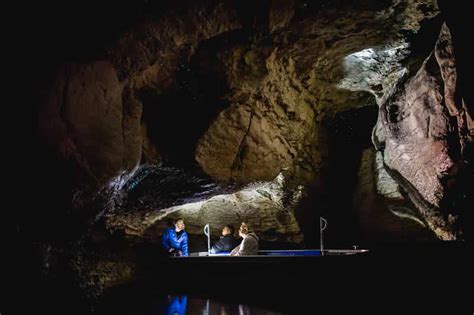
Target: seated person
[[249, 244], [227, 242], [175, 239]]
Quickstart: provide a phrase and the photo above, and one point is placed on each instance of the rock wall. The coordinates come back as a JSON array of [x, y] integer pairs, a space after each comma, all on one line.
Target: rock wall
[[242, 92], [383, 211], [425, 131]]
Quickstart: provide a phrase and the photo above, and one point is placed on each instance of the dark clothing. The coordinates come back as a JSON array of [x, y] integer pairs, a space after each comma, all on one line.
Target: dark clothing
[[178, 241], [224, 244]]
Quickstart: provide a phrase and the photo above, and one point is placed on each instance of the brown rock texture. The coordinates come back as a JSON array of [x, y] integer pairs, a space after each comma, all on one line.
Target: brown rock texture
[[284, 84], [83, 119], [93, 116], [282, 80], [283, 72], [257, 111], [99, 275], [259, 204], [383, 211], [426, 127]]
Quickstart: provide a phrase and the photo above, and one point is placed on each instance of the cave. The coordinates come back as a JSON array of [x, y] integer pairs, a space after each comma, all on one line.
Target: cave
[[280, 114]]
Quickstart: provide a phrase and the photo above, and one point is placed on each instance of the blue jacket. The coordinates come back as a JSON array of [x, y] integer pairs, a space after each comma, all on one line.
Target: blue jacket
[[171, 240]]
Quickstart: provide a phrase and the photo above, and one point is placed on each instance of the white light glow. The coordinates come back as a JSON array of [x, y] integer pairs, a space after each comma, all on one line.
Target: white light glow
[[374, 70]]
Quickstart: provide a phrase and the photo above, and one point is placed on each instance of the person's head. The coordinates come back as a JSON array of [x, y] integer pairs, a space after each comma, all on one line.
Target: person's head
[[243, 230], [228, 230], [179, 224]]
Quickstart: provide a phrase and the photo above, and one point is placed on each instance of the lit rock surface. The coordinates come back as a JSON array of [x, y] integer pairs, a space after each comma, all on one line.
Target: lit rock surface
[[427, 128], [260, 205], [304, 70], [244, 95], [282, 80]]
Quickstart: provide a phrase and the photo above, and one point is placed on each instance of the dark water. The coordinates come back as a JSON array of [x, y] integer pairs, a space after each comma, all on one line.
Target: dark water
[[428, 276], [175, 304], [64, 298]]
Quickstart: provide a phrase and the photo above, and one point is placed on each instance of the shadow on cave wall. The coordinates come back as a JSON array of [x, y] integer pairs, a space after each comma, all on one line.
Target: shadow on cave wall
[[331, 194]]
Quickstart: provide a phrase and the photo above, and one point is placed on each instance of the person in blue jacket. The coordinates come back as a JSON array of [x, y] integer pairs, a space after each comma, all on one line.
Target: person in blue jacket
[[175, 239]]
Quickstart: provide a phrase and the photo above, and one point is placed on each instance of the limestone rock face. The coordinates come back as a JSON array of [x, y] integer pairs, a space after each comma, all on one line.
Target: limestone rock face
[[297, 73], [83, 119], [244, 95], [93, 116], [427, 130], [283, 76], [246, 144], [384, 212], [150, 53], [260, 205]]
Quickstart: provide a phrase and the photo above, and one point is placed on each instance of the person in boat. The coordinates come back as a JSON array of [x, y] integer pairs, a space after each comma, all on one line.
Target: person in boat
[[227, 242], [175, 239], [249, 244]]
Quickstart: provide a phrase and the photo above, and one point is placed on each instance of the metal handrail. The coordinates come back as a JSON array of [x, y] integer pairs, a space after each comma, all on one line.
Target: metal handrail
[[207, 232], [323, 224]]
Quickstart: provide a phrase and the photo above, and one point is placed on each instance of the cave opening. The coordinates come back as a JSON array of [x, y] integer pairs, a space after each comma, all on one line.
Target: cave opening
[[350, 134], [331, 195], [184, 111]]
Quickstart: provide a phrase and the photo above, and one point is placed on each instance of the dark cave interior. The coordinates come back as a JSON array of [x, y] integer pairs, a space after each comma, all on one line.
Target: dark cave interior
[[69, 242]]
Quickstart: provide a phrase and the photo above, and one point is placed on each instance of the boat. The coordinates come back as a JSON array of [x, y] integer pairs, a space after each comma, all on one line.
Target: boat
[[281, 252]]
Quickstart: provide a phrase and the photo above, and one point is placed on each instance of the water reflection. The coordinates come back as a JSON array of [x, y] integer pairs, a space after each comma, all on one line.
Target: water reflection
[[181, 304], [176, 305]]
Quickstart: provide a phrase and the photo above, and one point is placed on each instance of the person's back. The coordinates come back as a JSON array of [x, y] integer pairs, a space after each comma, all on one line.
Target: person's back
[[249, 244]]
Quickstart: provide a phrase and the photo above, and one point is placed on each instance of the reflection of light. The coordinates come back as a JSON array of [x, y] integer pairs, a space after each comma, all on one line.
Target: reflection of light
[[244, 310], [176, 305], [374, 70], [260, 191], [192, 206], [366, 53], [120, 180]]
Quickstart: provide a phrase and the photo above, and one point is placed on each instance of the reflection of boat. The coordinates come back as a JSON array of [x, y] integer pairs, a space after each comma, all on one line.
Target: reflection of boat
[[274, 278], [176, 305], [293, 283]]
